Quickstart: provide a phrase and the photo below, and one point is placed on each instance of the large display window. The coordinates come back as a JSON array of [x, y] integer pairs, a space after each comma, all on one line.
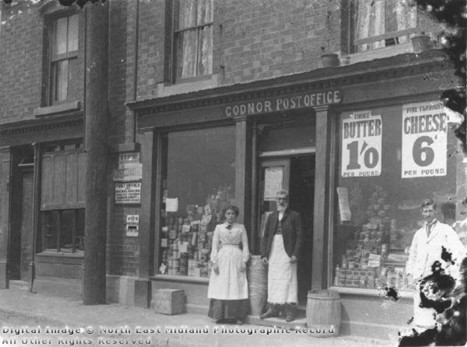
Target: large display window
[[198, 182], [389, 160]]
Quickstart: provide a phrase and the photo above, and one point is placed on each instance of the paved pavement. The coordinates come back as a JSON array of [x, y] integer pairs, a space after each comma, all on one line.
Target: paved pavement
[[28, 319]]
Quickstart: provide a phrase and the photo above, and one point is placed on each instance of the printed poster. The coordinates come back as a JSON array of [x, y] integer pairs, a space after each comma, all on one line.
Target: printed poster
[[129, 167], [424, 140], [344, 207], [128, 192], [361, 145]]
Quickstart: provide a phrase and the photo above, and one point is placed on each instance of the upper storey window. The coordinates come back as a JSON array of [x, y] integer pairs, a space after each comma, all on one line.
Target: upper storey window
[[63, 58], [382, 23], [193, 23]]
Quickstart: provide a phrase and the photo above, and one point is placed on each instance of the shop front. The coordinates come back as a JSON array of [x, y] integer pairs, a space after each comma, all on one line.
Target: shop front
[[229, 152], [357, 148], [43, 206], [390, 159]]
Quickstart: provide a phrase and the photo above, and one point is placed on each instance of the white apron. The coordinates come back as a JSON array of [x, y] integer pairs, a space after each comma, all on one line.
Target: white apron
[[423, 317], [282, 274], [230, 283]]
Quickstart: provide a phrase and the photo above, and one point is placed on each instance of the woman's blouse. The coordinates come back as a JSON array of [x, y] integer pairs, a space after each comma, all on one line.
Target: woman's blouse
[[225, 234]]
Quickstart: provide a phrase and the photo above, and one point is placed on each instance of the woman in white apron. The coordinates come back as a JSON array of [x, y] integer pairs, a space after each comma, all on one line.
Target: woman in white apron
[[228, 287]]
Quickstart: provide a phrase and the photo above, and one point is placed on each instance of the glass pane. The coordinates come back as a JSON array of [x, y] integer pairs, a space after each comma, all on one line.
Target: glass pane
[[378, 211], [61, 26], [72, 78], [66, 231], [49, 229], [205, 9], [79, 238], [187, 14], [187, 43], [73, 33], [60, 80], [383, 17], [205, 55], [200, 174]]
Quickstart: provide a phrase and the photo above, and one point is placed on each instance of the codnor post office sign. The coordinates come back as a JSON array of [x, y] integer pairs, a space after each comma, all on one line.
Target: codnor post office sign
[[284, 103]]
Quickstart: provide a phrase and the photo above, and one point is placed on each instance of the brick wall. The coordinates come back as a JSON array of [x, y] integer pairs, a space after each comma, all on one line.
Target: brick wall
[[20, 62], [253, 39], [122, 251], [22, 59], [117, 70], [150, 47], [264, 39]]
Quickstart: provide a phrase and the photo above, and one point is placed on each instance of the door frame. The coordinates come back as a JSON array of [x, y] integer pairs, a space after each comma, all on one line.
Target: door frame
[[16, 253], [272, 159]]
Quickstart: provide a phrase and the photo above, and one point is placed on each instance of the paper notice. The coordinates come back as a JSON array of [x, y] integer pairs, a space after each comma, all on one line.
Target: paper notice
[[273, 179], [183, 247], [171, 205], [344, 207]]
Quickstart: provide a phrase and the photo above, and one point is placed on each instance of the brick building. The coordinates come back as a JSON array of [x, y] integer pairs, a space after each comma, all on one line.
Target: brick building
[[216, 101]]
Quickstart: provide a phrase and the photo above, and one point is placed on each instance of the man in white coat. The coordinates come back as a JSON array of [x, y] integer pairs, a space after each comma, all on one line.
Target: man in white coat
[[427, 248]]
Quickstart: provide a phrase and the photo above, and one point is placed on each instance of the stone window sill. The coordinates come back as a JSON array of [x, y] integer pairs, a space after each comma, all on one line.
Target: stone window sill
[[376, 54], [187, 86], [175, 278], [369, 292], [59, 108]]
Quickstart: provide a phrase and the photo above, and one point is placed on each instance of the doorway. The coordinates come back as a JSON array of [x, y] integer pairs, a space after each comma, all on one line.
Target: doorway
[[21, 232], [297, 175]]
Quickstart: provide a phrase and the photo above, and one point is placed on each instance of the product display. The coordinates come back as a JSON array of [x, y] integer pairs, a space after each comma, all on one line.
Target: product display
[[374, 254], [186, 240]]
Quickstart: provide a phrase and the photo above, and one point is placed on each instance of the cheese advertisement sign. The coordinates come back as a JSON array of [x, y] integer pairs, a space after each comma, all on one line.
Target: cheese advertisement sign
[[424, 140]]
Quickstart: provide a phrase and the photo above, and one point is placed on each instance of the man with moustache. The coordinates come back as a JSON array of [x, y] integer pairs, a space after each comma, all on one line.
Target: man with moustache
[[280, 248]]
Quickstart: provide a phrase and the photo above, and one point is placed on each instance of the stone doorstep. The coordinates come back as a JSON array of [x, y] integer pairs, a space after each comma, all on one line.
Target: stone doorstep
[[277, 322], [18, 284], [299, 323]]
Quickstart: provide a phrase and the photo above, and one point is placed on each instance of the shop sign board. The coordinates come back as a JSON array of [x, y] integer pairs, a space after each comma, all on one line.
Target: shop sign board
[[361, 144], [284, 103], [129, 167], [424, 140], [127, 192]]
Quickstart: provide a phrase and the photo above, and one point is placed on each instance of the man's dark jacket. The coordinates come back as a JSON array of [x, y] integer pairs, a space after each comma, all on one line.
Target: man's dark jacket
[[291, 233]]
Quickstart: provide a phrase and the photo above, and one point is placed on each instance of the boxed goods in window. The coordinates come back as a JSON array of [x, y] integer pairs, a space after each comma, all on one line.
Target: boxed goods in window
[[186, 240]]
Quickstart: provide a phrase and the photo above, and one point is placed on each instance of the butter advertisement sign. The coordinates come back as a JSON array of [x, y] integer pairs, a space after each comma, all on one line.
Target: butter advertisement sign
[[284, 103], [361, 144]]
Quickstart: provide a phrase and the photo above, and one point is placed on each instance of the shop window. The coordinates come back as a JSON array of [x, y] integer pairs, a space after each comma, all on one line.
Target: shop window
[[390, 160], [63, 231], [62, 198], [382, 23], [198, 181], [63, 60], [193, 37]]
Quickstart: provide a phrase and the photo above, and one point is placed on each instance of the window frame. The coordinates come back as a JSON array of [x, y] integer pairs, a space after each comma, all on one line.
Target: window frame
[[58, 236], [354, 42], [175, 33], [53, 59]]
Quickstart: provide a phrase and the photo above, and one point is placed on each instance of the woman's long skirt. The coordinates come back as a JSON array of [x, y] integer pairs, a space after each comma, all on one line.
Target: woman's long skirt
[[228, 290]]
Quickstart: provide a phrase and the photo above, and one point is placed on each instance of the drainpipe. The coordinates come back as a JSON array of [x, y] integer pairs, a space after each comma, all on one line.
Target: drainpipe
[[36, 210]]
